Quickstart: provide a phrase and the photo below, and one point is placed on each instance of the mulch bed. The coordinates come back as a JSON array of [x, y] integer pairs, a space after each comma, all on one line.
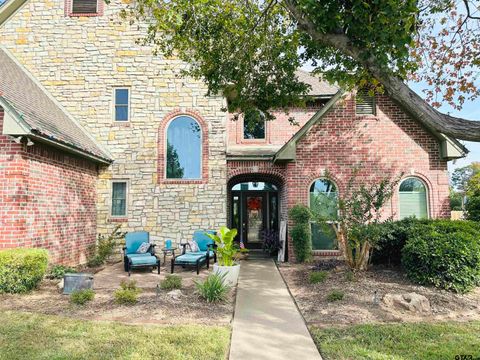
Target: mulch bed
[[152, 307], [358, 305]]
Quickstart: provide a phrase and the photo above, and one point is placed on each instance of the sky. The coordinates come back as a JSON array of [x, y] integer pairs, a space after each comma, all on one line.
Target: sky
[[470, 111]]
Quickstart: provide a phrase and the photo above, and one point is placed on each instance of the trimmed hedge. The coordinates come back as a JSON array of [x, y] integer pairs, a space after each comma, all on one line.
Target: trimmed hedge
[[448, 260], [442, 253], [395, 234], [22, 269], [388, 250]]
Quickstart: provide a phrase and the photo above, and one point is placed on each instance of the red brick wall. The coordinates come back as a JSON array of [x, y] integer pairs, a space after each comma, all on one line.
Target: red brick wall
[[47, 200], [386, 144], [278, 131]]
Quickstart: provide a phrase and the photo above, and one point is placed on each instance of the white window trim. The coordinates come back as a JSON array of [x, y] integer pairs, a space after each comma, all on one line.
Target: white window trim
[[129, 112], [127, 196], [165, 136], [427, 194]]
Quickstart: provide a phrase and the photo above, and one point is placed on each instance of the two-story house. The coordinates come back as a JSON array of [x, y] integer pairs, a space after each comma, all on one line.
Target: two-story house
[[96, 131]]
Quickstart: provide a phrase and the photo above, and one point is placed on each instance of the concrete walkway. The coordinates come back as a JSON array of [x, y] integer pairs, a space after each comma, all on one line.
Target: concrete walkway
[[267, 324]]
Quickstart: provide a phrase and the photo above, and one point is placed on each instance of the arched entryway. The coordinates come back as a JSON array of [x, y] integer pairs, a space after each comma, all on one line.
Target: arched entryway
[[256, 206]]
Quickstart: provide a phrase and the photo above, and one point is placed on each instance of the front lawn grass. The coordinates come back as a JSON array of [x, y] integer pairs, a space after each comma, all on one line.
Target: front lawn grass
[[411, 341], [34, 336]]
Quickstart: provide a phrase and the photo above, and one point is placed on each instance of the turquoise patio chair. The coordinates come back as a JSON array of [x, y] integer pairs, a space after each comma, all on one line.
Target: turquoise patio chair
[[132, 259], [198, 258]]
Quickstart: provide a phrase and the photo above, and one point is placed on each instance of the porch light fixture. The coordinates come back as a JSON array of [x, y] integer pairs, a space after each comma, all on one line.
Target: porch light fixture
[[30, 142], [18, 140]]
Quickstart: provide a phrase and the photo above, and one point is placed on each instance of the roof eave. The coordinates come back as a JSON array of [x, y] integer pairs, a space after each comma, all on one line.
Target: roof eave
[[288, 151], [9, 8], [14, 125]]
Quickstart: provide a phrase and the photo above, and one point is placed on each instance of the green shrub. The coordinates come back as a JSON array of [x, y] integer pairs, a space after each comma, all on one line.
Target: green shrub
[[317, 277], [472, 206], [105, 246], [22, 269], [81, 297], [446, 259], [394, 235], [171, 282], [301, 232], [350, 276], [335, 295], [127, 294], [58, 271], [213, 289]]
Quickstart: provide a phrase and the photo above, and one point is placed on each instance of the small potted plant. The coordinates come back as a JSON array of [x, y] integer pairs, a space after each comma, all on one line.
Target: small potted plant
[[227, 251]]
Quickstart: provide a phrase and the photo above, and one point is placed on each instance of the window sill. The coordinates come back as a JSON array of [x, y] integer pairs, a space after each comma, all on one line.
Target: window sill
[[117, 219], [366, 116], [326, 253], [254, 141], [121, 124], [83, 14], [183, 181]]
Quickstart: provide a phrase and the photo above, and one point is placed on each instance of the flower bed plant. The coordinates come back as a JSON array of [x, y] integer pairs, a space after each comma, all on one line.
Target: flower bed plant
[[21, 270]]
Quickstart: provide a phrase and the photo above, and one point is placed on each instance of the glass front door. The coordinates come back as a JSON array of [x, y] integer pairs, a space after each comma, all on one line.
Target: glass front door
[[254, 208]]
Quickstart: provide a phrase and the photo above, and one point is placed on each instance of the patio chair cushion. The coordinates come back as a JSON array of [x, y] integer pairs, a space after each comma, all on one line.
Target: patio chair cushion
[[143, 260], [133, 240], [189, 258], [203, 240], [137, 255], [210, 254]]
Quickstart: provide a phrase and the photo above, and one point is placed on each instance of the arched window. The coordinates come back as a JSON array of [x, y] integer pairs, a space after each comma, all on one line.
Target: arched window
[[413, 198], [184, 149], [324, 203]]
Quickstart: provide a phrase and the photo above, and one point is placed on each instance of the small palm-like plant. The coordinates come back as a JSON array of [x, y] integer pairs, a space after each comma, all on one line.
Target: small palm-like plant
[[213, 289], [226, 247]]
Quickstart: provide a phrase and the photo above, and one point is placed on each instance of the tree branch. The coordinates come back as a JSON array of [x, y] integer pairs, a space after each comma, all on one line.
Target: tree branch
[[394, 86], [469, 14]]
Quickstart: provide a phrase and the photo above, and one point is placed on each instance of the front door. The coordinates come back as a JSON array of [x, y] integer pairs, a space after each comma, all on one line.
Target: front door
[[252, 212], [254, 219]]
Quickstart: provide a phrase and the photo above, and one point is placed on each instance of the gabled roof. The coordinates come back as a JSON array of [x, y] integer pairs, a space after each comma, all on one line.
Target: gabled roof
[[31, 111], [318, 86], [450, 148]]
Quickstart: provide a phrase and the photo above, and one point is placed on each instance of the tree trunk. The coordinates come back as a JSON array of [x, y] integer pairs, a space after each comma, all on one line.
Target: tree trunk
[[394, 86]]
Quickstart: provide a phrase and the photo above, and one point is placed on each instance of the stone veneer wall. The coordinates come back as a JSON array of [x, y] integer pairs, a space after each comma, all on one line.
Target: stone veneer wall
[[47, 200], [80, 60]]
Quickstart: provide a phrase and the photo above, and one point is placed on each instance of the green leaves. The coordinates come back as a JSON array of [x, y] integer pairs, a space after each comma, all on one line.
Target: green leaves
[[226, 247]]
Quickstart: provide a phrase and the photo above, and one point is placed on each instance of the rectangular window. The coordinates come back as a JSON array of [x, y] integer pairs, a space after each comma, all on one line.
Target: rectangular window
[[84, 6], [122, 104], [119, 198], [364, 103], [253, 130]]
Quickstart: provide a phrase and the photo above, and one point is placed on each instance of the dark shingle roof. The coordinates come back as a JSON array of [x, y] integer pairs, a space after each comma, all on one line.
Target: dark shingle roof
[[42, 114], [319, 87]]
